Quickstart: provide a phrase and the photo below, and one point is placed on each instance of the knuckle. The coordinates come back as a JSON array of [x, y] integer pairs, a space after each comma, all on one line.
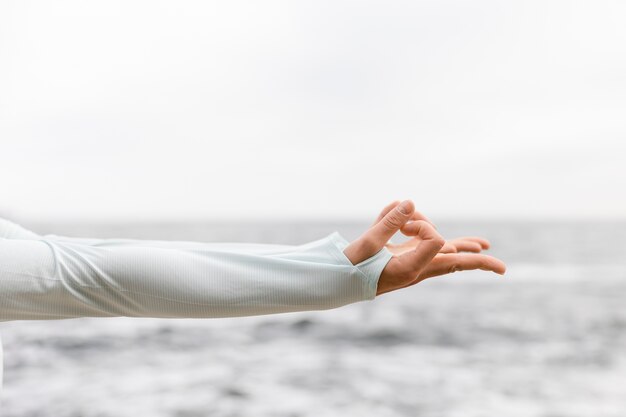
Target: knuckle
[[437, 242], [391, 222]]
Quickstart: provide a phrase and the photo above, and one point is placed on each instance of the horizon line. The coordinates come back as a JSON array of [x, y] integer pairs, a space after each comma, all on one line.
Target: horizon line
[[305, 219]]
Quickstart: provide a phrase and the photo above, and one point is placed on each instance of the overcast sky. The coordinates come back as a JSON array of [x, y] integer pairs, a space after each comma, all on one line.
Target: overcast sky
[[312, 109]]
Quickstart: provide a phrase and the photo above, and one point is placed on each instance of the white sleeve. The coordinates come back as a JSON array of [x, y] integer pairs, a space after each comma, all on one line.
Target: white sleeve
[[13, 230], [52, 277]]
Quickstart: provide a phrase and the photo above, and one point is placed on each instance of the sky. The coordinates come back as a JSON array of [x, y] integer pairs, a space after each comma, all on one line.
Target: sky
[[150, 110]]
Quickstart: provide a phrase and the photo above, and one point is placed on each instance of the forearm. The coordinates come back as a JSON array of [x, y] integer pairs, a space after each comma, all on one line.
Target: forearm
[[47, 278]]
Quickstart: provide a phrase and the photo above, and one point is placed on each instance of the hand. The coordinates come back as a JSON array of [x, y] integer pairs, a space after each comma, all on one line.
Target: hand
[[462, 244], [426, 255]]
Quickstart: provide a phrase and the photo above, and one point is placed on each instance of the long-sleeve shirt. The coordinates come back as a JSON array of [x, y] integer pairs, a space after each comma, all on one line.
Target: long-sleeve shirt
[[47, 277]]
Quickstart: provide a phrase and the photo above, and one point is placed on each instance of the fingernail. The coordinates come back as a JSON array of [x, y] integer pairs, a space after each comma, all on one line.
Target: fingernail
[[404, 207]]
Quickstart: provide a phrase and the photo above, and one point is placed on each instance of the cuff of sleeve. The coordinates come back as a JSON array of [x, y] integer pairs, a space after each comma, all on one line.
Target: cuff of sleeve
[[371, 268]]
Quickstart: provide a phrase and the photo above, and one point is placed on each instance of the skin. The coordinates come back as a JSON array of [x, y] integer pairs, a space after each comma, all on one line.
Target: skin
[[427, 254]]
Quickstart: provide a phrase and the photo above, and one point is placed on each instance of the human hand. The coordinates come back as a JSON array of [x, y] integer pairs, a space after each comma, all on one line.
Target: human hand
[[426, 255], [461, 244]]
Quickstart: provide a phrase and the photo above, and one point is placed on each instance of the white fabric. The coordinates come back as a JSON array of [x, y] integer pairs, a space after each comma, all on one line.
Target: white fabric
[[46, 277]]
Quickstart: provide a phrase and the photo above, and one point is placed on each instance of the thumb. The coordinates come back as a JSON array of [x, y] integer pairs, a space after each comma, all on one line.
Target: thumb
[[375, 238], [382, 231]]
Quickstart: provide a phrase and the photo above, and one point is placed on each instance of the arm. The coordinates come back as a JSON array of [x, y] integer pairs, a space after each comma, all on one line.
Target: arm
[[48, 277], [44, 278]]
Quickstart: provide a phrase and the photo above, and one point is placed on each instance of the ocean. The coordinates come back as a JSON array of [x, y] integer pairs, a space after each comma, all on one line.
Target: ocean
[[548, 339]]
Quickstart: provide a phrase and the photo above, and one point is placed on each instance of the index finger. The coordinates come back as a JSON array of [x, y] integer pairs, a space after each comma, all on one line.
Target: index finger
[[419, 216], [430, 243]]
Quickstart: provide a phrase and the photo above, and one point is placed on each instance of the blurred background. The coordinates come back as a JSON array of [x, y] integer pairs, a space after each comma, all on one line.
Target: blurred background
[[280, 122]]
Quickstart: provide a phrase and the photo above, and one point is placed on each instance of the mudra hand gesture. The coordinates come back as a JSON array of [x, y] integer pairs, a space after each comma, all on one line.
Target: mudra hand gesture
[[427, 254]]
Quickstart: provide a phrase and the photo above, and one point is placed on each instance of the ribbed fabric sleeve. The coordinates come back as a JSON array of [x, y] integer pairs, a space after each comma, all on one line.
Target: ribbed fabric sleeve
[[11, 230], [56, 277]]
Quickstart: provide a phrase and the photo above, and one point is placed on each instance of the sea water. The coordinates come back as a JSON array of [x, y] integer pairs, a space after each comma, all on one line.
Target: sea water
[[548, 339]]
